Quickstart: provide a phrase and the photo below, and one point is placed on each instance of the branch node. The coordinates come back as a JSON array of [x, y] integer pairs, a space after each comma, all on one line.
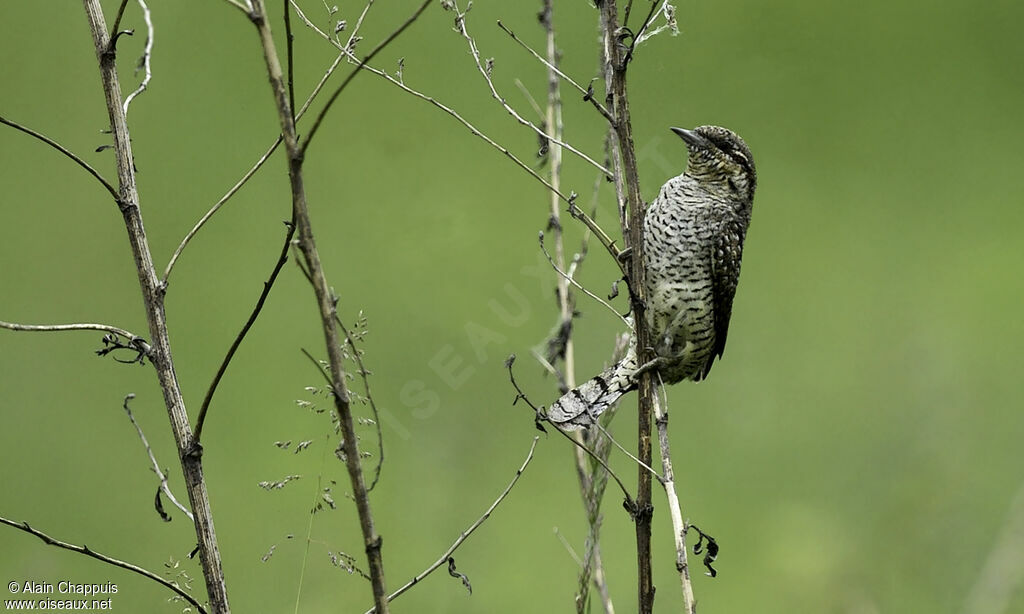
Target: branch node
[[111, 46]]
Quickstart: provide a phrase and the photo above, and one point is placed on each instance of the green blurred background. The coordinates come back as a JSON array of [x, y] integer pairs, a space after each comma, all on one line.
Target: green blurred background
[[858, 450]]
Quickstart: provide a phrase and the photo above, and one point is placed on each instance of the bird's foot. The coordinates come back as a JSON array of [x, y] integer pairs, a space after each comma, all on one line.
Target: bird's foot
[[652, 365]]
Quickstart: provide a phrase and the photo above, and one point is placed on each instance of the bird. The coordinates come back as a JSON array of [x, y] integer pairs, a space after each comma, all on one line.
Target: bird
[[693, 245]]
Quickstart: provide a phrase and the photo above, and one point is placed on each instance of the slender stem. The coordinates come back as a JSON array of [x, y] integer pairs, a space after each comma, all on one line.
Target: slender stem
[[289, 45], [675, 512], [117, 18], [65, 151], [64, 327], [152, 460], [485, 71], [381, 45], [248, 175], [326, 300], [588, 95], [267, 286], [465, 534], [83, 549], [147, 55], [628, 189], [152, 295], [574, 210]]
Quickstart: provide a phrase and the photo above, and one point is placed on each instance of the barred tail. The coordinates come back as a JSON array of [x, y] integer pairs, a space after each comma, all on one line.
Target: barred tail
[[580, 407]]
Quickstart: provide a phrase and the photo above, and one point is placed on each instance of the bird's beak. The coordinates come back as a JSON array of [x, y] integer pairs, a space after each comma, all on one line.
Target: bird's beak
[[693, 140]]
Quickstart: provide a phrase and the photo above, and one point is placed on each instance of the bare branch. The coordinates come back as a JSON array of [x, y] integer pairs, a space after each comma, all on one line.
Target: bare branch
[[64, 327], [669, 11], [289, 46], [190, 456], [248, 175], [602, 236], [337, 92], [460, 25], [144, 61], [327, 301], [465, 534], [83, 549], [245, 8], [267, 286], [152, 459], [579, 286], [117, 18], [678, 526], [80, 162], [353, 37], [588, 94]]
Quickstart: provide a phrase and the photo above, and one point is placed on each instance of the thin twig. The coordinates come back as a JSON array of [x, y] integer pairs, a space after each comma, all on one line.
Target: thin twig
[[353, 38], [327, 301], [267, 286], [465, 534], [189, 456], [63, 327], [577, 284], [529, 98], [245, 8], [460, 25], [80, 162], [588, 94], [289, 49], [117, 18], [152, 459], [337, 92], [602, 236], [147, 54], [631, 456], [669, 483], [670, 24], [248, 175], [83, 549]]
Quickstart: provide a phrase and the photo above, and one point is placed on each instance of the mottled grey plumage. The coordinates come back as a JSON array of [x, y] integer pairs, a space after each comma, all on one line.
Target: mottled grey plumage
[[693, 243]]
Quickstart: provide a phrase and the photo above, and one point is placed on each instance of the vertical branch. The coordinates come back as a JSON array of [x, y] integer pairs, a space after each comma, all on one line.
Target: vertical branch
[[326, 300], [152, 295], [553, 125], [627, 186], [675, 512]]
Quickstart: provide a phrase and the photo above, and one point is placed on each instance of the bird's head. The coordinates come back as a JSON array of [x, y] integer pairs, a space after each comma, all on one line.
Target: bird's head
[[721, 161]]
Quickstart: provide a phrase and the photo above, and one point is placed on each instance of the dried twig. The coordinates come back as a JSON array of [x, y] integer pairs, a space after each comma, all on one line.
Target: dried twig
[[465, 534], [83, 549], [267, 286], [337, 92], [675, 512], [570, 200], [152, 295], [588, 93], [80, 162], [144, 61], [485, 71], [156, 466], [326, 300], [248, 175]]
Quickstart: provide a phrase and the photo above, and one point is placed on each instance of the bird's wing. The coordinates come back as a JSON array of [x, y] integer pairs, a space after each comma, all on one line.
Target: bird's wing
[[725, 275]]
